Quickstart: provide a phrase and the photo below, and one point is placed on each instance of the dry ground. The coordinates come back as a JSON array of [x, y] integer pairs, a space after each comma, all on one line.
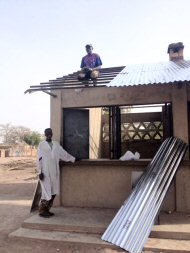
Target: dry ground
[[17, 183]]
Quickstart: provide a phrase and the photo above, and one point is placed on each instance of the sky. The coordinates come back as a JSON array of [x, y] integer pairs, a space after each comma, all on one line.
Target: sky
[[42, 40]]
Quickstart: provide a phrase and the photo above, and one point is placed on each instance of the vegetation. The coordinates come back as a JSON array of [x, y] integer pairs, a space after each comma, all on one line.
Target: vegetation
[[12, 135], [32, 139]]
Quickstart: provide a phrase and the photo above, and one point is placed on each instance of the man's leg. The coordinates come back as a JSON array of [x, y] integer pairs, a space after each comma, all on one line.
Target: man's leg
[[84, 77], [81, 76], [87, 77], [44, 208], [94, 75], [51, 204]]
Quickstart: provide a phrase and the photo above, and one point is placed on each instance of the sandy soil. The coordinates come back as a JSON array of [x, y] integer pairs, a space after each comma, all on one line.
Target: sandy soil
[[18, 179]]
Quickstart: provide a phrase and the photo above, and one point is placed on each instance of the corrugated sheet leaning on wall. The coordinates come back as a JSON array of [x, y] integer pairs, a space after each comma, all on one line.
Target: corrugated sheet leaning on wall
[[132, 224]]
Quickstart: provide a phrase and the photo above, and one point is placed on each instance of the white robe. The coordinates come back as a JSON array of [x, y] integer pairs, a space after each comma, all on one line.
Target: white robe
[[49, 165]]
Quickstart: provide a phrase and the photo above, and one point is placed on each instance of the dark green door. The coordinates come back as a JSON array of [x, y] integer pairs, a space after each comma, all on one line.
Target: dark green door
[[76, 132]]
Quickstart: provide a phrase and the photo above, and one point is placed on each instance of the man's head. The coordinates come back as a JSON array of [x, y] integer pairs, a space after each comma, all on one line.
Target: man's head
[[48, 134], [89, 48]]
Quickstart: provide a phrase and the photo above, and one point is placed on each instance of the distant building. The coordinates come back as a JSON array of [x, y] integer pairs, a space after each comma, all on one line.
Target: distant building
[[18, 150]]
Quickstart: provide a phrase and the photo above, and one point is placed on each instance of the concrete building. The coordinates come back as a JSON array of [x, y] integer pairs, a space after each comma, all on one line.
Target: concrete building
[[4, 150], [81, 114]]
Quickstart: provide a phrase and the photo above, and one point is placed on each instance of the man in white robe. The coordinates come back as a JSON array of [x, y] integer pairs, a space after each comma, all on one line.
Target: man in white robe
[[49, 154]]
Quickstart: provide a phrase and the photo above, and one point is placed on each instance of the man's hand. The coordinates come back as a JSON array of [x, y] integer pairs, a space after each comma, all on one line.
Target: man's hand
[[41, 176], [86, 69]]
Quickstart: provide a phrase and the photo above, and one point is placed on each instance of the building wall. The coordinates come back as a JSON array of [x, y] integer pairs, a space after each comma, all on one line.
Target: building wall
[[106, 184], [25, 150], [18, 150], [56, 116], [105, 96], [183, 188], [177, 94], [100, 185], [95, 133], [180, 113], [3, 152]]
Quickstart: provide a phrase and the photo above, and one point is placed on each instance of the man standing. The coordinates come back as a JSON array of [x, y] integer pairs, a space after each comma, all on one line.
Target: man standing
[[90, 65], [49, 155]]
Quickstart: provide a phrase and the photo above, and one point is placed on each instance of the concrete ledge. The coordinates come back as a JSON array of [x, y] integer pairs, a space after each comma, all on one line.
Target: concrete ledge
[[105, 162], [116, 162], [96, 220], [155, 245], [172, 226], [64, 237], [167, 246], [81, 220]]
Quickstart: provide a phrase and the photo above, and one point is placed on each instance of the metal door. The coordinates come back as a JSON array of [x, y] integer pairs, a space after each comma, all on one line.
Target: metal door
[[76, 132]]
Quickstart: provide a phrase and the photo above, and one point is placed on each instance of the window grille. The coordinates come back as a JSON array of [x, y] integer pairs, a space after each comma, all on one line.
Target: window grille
[[142, 131]]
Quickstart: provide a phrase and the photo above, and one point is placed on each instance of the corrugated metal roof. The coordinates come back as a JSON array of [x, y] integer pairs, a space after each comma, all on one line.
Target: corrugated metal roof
[[152, 73], [132, 224]]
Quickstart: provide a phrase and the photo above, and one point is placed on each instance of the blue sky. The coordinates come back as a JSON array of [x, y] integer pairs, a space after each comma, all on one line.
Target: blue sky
[[45, 39]]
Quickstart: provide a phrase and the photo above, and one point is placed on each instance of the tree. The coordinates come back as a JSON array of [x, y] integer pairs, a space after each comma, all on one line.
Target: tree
[[33, 138], [10, 134]]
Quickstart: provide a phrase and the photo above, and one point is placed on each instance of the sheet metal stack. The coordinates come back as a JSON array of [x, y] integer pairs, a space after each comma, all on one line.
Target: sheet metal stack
[[132, 224]]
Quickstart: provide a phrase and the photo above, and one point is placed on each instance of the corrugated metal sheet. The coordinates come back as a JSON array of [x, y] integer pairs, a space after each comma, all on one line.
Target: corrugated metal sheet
[[132, 224], [153, 73]]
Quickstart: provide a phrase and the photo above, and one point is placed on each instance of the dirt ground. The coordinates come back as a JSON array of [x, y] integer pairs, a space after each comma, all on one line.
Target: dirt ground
[[18, 179]]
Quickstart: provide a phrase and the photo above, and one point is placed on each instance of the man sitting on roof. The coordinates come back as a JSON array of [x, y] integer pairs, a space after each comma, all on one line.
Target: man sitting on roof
[[90, 65]]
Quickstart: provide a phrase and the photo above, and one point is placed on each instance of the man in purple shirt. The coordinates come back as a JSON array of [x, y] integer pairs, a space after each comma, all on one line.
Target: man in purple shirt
[[90, 65]]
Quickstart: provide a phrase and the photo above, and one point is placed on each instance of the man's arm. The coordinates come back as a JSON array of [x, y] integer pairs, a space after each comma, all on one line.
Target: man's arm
[[98, 67], [98, 62], [39, 164], [65, 156], [82, 65]]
